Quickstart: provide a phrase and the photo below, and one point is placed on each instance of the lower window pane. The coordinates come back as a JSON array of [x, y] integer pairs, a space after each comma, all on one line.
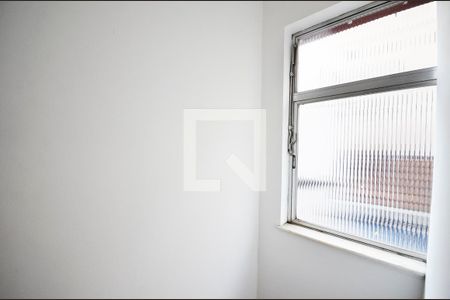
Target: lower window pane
[[365, 166]]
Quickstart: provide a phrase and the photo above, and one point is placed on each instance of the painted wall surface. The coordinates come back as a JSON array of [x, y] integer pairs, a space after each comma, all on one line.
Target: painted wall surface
[[291, 266], [438, 266], [91, 140]]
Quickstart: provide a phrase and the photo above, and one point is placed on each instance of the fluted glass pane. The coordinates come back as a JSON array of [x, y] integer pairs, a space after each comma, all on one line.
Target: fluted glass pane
[[365, 166], [368, 46]]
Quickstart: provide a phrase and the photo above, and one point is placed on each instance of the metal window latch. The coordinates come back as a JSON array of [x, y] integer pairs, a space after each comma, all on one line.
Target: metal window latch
[[291, 142]]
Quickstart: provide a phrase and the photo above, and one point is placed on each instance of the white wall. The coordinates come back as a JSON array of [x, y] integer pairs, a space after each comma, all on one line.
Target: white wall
[[291, 266], [438, 266], [91, 110]]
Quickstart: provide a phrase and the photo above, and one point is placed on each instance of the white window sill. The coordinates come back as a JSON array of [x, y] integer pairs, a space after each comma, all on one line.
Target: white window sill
[[409, 264]]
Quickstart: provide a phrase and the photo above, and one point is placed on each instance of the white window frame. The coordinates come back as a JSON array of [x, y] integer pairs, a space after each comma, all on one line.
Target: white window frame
[[292, 100]]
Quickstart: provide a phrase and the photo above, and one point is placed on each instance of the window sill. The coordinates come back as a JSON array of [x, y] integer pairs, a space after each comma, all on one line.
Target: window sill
[[409, 264]]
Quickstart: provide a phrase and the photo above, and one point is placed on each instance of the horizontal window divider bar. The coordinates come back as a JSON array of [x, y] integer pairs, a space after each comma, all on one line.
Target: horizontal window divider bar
[[399, 251], [399, 81]]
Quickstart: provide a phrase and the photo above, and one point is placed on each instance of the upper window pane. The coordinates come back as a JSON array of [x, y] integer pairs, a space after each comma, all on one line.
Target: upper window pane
[[384, 42]]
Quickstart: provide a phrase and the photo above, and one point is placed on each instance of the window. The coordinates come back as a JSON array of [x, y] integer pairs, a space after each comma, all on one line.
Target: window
[[363, 90]]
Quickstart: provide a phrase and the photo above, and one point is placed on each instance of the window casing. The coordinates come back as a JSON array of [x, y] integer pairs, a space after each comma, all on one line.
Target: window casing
[[358, 170]]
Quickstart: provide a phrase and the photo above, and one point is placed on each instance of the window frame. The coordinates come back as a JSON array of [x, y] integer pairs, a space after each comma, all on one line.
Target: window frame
[[398, 81]]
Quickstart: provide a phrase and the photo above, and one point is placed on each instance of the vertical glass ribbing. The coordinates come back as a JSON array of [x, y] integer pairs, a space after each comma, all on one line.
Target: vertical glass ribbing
[[398, 42], [365, 166]]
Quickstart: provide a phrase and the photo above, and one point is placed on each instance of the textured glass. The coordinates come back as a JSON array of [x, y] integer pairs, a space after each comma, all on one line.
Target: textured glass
[[365, 166], [398, 42]]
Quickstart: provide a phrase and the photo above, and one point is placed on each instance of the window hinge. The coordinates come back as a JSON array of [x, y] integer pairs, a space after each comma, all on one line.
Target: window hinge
[[293, 56], [291, 143]]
